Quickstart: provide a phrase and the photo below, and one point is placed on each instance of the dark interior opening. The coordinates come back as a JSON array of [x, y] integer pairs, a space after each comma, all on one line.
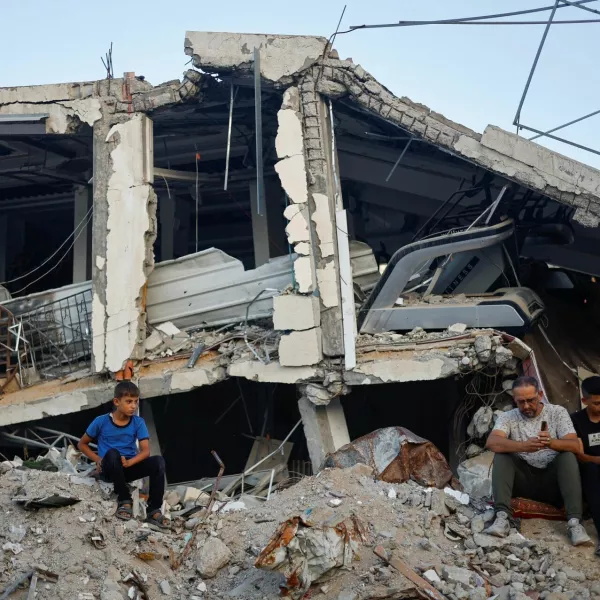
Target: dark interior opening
[[425, 407], [192, 139], [42, 177], [190, 425]]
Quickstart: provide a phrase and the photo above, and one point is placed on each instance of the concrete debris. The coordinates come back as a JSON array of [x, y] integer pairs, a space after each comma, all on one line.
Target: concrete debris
[[307, 547], [481, 423], [322, 542], [213, 556], [397, 455], [483, 347], [475, 475], [166, 340]]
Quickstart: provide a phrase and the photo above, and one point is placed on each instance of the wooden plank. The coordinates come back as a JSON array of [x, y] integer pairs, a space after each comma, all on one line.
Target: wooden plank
[[409, 573]]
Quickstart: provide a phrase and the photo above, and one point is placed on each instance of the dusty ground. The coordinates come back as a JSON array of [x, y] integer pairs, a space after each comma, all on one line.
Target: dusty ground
[[58, 539]]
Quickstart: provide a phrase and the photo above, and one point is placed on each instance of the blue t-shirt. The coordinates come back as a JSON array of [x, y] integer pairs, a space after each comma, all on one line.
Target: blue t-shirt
[[109, 435]]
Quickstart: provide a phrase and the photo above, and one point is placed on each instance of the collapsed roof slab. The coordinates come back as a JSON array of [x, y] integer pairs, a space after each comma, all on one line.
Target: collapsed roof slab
[[282, 56], [306, 61], [159, 378]]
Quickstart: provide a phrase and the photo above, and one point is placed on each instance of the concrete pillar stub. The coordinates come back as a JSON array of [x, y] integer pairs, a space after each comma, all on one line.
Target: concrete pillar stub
[[325, 428]]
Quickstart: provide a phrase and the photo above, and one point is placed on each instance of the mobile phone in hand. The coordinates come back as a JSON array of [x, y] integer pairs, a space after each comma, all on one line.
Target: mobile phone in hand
[[544, 425]]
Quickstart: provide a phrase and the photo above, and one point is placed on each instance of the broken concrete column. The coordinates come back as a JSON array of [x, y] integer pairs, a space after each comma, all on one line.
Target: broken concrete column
[[325, 427], [324, 201], [124, 235]]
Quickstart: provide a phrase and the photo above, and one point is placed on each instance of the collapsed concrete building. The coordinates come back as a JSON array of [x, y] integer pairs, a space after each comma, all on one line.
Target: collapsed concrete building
[[278, 237]]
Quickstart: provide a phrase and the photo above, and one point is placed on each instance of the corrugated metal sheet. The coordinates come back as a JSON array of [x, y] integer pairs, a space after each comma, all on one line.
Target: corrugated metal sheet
[[212, 288], [208, 288]]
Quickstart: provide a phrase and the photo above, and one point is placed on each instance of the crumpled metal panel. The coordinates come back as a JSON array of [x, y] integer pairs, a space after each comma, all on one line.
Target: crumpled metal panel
[[397, 455], [307, 547]]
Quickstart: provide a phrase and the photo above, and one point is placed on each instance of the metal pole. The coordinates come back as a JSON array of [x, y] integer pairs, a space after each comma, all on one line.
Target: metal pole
[[559, 139], [260, 184], [535, 137], [229, 136], [399, 159], [535, 62]]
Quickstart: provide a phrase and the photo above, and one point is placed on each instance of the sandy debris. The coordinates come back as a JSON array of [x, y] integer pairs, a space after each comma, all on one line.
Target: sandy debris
[[432, 531]]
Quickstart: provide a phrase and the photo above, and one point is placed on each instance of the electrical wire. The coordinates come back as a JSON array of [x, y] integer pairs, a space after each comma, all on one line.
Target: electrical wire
[[59, 260], [54, 253]]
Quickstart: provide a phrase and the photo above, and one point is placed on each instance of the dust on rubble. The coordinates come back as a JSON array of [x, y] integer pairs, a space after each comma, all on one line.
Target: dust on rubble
[[435, 533]]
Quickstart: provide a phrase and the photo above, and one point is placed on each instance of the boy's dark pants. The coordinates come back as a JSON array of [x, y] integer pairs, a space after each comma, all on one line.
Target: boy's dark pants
[[153, 467], [558, 483], [590, 480]]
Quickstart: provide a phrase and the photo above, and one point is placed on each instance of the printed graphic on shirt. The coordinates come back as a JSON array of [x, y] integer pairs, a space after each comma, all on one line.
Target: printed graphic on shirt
[[594, 439]]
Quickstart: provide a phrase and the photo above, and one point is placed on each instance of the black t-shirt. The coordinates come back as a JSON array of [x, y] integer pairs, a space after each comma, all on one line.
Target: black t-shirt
[[588, 432]]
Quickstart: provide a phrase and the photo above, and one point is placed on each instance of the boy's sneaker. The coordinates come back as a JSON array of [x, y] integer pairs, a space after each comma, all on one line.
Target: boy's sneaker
[[577, 533], [500, 527]]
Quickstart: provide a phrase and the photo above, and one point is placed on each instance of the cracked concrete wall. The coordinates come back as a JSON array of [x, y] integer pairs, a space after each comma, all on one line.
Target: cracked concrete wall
[[128, 220]]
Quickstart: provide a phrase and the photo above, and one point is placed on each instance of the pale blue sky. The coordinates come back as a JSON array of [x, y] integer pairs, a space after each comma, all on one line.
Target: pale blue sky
[[471, 74]]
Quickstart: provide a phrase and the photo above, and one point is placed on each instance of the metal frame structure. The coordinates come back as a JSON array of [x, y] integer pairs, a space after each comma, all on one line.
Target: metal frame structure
[[487, 20], [39, 437], [517, 120]]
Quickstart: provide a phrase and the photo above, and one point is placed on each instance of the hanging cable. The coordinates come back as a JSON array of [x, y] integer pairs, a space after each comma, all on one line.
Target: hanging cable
[[59, 260], [74, 232]]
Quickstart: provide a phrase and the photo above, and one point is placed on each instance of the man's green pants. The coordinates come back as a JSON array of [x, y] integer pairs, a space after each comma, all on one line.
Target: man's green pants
[[558, 484]]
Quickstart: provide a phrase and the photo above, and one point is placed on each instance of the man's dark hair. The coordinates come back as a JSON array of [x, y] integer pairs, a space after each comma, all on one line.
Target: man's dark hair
[[521, 382], [126, 388], [591, 386]]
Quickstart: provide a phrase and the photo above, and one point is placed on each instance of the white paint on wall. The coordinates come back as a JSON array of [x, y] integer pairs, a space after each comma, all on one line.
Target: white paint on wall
[[323, 222], [328, 285], [292, 174], [303, 274]]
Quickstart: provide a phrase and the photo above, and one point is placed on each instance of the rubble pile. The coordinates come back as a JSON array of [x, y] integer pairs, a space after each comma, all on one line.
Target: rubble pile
[[166, 340], [322, 538]]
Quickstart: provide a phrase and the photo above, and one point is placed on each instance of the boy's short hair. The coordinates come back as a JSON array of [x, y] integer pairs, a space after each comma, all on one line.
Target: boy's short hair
[[126, 388], [591, 386]]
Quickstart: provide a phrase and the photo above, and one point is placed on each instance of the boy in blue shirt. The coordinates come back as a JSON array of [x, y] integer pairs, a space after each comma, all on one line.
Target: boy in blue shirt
[[118, 459]]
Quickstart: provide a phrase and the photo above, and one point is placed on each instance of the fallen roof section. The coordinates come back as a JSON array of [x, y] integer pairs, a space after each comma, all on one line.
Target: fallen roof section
[[308, 61]]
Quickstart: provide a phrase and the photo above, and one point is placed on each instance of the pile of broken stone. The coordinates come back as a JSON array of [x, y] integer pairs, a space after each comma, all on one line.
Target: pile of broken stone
[[166, 340], [322, 538]]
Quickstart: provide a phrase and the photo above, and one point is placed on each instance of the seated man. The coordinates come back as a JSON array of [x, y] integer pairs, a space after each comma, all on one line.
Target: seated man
[[587, 426], [535, 446]]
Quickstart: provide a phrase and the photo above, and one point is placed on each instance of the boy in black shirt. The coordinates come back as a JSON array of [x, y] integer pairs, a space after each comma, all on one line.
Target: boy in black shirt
[[587, 426]]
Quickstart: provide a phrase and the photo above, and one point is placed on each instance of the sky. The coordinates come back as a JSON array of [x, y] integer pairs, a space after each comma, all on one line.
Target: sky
[[474, 75]]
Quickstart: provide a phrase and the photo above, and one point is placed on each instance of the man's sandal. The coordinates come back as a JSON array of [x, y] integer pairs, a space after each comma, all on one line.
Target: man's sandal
[[157, 519], [125, 510]]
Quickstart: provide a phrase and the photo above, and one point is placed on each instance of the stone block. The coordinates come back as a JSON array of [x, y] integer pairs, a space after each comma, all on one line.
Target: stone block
[[295, 312], [300, 348]]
